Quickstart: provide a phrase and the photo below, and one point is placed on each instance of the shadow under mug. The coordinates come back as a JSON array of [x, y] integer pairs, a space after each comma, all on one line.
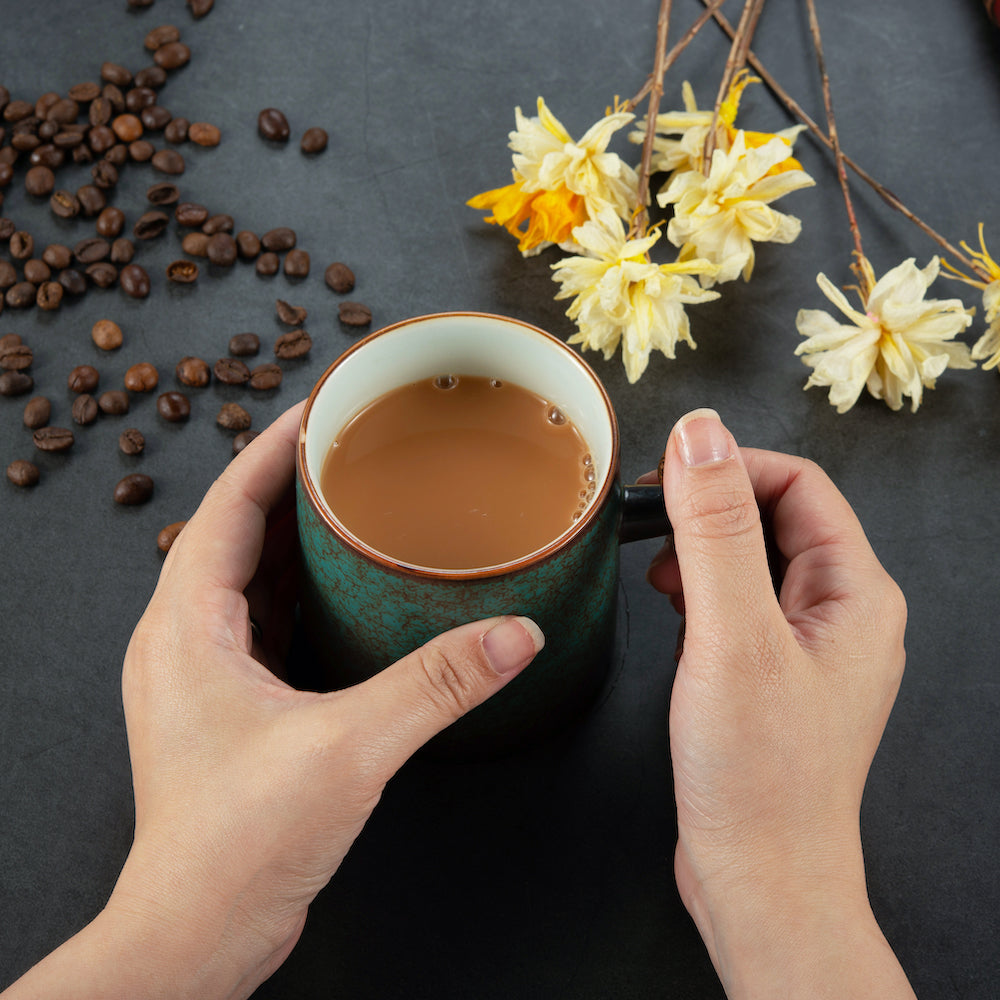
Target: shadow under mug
[[363, 610]]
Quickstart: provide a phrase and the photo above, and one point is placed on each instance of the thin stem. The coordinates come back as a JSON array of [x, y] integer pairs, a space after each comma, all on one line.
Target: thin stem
[[734, 63], [655, 93], [883, 192], [671, 57]]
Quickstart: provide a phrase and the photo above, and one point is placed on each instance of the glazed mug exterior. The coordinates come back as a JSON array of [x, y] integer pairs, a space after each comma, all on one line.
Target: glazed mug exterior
[[363, 610]]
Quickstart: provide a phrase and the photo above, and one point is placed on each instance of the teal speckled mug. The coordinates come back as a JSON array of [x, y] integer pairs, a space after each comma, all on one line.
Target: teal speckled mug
[[363, 610]]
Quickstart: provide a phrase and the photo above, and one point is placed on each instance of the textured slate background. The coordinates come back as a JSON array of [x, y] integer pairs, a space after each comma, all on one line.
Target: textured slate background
[[547, 874]]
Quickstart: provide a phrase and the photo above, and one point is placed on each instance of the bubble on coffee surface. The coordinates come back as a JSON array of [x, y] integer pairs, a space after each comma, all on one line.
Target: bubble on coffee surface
[[556, 416], [496, 383], [445, 382]]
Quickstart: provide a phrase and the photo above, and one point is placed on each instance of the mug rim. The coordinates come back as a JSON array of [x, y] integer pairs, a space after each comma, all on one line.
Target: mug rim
[[322, 509]]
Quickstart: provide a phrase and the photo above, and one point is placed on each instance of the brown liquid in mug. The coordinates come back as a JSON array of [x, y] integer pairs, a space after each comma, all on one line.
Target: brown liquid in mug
[[458, 472]]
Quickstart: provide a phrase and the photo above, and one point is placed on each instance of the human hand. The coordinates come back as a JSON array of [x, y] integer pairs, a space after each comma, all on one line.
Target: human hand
[[777, 709], [248, 793]]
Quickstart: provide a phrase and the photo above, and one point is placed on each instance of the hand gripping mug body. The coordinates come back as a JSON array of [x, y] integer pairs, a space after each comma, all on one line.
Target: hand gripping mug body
[[454, 467]]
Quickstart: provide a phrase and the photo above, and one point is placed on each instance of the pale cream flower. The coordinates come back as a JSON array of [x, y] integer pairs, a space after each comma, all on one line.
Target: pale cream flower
[[721, 216], [620, 297], [987, 348], [558, 183], [897, 346]]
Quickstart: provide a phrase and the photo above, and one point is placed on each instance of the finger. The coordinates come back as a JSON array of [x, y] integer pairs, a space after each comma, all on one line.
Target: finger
[[718, 534], [221, 544], [406, 704]]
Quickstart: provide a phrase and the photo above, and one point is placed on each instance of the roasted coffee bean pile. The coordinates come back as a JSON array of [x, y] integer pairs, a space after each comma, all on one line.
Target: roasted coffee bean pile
[[108, 125]]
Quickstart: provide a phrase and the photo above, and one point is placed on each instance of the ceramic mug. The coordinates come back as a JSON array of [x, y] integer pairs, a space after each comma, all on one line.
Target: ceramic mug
[[363, 610]]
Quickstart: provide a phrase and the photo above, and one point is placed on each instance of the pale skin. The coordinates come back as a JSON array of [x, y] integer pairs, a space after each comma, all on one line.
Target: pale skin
[[249, 794]]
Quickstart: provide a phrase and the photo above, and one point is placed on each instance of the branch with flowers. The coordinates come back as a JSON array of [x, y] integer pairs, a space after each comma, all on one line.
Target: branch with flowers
[[720, 187]]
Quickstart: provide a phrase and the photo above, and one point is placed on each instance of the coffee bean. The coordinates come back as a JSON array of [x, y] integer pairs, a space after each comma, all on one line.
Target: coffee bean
[[339, 277], [163, 35], [135, 281], [189, 213], [15, 383], [314, 140], [131, 441], [21, 245], [99, 114], [193, 372], [23, 473], [151, 77], [92, 199], [247, 244], [173, 406], [195, 244], [354, 314], [297, 264], [84, 409], [37, 412], [199, 8], [233, 417], [64, 111], [168, 535], [16, 357], [21, 295], [36, 271], [122, 250], [173, 55], [64, 204], [142, 377], [139, 98], [244, 345], [8, 276], [273, 125], [141, 151], [279, 239], [220, 223], [111, 92], [83, 378], [53, 438], [155, 117], [267, 264], [56, 256], [91, 250], [204, 134], [164, 193], [231, 371], [110, 222], [168, 161], [127, 127], [104, 172], [133, 489], [293, 344], [50, 295], [266, 376], [242, 440], [72, 281], [113, 73], [48, 155], [183, 272], [39, 182], [101, 138], [106, 334], [176, 130], [151, 224], [117, 155], [17, 110], [221, 249], [113, 402], [292, 315], [7, 227], [102, 274]]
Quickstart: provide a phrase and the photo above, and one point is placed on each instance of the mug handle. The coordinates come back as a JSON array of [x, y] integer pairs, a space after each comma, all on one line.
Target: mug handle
[[643, 513]]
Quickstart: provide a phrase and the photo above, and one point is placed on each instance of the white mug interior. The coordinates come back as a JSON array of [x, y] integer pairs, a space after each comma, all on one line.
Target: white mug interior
[[458, 344]]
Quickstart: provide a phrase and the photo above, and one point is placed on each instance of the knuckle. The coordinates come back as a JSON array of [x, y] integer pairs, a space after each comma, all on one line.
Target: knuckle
[[449, 680], [726, 513]]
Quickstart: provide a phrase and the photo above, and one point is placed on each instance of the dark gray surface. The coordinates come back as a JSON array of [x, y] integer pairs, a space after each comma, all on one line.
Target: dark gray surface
[[548, 874]]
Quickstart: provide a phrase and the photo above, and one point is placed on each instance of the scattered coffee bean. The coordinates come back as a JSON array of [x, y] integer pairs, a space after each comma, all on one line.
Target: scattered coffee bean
[[92, 200], [164, 193], [204, 134], [105, 172], [64, 204], [149, 225], [72, 281], [247, 244], [233, 417], [115, 74], [110, 222], [113, 402], [163, 35], [127, 127], [141, 151], [221, 250], [8, 275], [292, 315], [142, 377], [168, 161], [292, 344], [266, 376], [174, 407], [151, 77], [53, 438], [314, 140], [16, 357], [106, 334], [57, 256], [231, 371], [199, 8], [21, 245], [244, 345], [91, 250], [15, 383], [176, 130], [273, 125], [193, 372], [242, 440], [122, 250], [37, 412], [221, 223], [83, 378], [267, 264], [354, 314], [279, 239], [168, 535], [23, 473], [339, 277], [195, 244], [36, 271], [297, 264], [173, 55], [21, 295], [189, 213], [39, 182], [117, 155], [183, 272], [135, 488], [84, 409], [131, 441], [102, 274], [50, 295], [155, 117], [135, 281]]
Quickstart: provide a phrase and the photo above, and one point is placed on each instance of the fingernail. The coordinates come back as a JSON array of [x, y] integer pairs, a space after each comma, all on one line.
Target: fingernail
[[702, 438], [511, 643]]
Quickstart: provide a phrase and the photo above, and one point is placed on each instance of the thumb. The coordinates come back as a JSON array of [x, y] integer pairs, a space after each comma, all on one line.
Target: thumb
[[426, 691], [717, 528]]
